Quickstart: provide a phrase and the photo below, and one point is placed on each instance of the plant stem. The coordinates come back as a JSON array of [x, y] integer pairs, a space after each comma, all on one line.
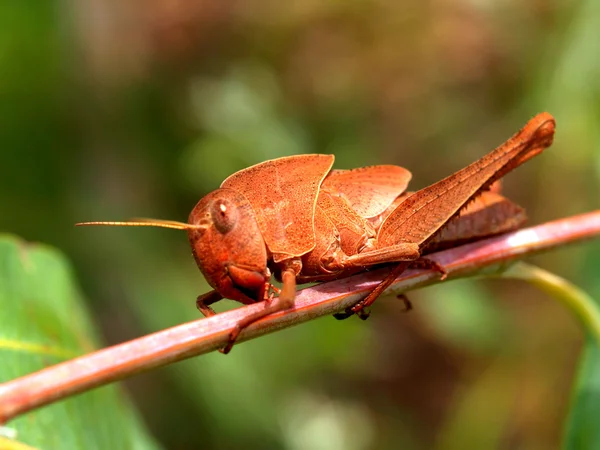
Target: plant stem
[[577, 301], [205, 335]]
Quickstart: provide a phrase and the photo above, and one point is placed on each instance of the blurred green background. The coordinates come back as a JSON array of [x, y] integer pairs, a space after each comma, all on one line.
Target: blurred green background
[[111, 109]]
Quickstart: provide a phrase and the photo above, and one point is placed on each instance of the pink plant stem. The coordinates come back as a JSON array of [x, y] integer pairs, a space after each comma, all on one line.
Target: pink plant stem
[[204, 335]]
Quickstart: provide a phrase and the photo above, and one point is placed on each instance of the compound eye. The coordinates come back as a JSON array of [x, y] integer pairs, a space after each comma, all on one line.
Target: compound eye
[[224, 215]]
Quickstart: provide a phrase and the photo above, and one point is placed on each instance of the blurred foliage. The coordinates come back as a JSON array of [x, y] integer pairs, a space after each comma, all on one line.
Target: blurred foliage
[[581, 429], [110, 110], [44, 323]]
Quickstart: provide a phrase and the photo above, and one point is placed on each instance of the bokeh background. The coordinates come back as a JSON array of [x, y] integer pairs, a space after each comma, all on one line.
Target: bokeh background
[[111, 109]]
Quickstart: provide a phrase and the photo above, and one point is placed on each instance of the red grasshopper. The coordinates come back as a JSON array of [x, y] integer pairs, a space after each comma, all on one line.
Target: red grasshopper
[[304, 222]]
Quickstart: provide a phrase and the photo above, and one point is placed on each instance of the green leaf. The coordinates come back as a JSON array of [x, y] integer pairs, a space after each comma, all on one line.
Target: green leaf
[[582, 430], [43, 322]]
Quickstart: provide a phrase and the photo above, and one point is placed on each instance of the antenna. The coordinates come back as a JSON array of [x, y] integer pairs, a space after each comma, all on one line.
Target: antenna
[[141, 222]]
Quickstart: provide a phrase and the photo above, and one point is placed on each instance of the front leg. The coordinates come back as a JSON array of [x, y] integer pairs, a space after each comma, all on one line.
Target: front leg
[[204, 301], [284, 301]]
